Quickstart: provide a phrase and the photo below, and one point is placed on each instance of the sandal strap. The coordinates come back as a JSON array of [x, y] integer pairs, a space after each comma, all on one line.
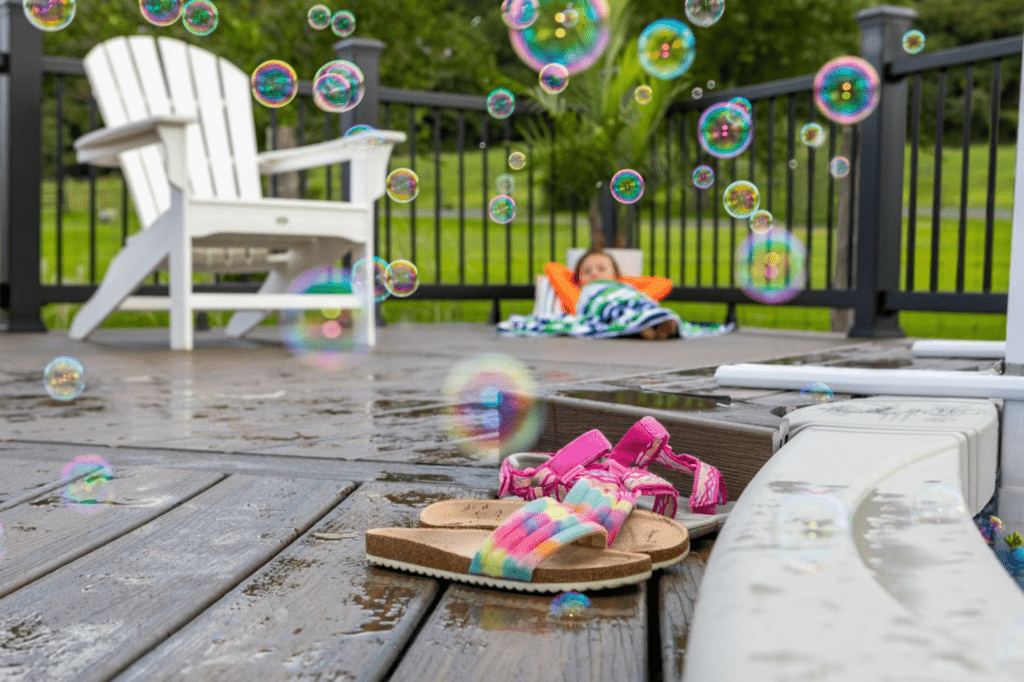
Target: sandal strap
[[529, 536], [557, 475], [604, 501]]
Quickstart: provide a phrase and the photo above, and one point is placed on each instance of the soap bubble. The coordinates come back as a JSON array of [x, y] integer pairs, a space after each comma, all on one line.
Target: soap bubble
[[338, 86], [379, 269], [161, 12], [49, 15], [570, 608], [401, 278], [319, 17], [517, 160], [627, 186], [343, 23], [274, 83], [501, 103], [519, 14], [812, 135], [846, 89], [741, 199], [327, 338], [743, 103], [548, 41], [711, 85], [403, 185], [811, 530], [554, 78], [761, 221], [703, 176], [506, 184], [666, 49], [64, 378], [89, 491], [643, 94], [570, 17], [839, 167], [704, 13], [200, 17], [939, 503], [493, 409], [816, 392], [696, 93], [771, 268], [913, 41], [725, 130], [792, 164], [502, 209]]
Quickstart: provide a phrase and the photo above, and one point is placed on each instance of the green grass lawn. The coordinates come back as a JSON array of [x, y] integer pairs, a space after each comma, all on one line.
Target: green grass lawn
[[517, 265]]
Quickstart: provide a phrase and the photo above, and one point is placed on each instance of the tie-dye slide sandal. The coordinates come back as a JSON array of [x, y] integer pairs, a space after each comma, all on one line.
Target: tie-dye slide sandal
[[538, 548], [664, 540]]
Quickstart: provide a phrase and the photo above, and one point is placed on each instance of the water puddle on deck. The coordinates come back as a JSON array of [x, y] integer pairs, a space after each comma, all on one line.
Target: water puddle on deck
[[674, 402]]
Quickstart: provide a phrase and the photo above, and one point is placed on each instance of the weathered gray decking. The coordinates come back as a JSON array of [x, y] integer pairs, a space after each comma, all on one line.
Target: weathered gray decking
[[244, 483]]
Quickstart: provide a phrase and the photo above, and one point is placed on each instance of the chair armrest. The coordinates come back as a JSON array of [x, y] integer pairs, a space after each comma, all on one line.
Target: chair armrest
[[330, 152], [102, 147]]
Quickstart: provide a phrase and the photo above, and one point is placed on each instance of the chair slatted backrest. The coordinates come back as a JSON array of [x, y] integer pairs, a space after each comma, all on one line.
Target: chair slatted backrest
[[132, 80]]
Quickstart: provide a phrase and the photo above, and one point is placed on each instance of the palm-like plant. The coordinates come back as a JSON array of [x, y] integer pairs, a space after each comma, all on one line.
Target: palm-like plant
[[596, 127]]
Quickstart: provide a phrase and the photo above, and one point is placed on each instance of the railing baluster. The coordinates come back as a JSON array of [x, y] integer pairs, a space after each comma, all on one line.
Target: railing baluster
[[990, 194], [529, 215], [412, 167], [854, 162], [915, 141], [327, 135], [668, 200], [552, 188], [437, 194], [964, 169], [508, 226], [829, 268], [790, 155], [387, 199], [771, 152], [300, 139], [651, 202], [59, 176], [940, 122], [810, 198], [273, 145], [462, 195], [485, 133], [684, 186], [572, 218]]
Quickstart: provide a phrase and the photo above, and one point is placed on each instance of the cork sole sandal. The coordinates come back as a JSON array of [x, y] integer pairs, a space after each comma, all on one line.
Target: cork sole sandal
[[449, 553], [664, 540]]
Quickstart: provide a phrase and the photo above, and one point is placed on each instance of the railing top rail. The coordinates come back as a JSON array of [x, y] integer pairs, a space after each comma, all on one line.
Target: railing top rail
[[64, 66], [956, 56], [761, 91]]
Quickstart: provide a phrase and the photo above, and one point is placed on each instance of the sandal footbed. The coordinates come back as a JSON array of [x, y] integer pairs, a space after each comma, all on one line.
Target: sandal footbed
[[659, 537], [451, 550]]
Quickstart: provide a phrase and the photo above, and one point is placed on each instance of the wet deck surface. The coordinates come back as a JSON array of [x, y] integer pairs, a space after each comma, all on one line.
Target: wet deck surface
[[244, 482]]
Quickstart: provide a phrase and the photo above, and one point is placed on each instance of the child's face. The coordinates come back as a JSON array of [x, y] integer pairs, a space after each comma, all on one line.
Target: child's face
[[596, 266]]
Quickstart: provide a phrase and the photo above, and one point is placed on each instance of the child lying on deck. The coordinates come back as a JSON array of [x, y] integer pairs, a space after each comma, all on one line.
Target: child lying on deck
[[598, 302]]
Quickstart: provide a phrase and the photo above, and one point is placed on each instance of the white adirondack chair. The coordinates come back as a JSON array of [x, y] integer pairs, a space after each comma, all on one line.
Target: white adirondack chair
[[179, 123]]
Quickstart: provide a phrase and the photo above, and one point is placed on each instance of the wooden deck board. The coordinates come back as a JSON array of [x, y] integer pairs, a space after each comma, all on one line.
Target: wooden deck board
[[677, 597], [91, 618], [45, 534], [483, 634], [317, 610], [23, 479]]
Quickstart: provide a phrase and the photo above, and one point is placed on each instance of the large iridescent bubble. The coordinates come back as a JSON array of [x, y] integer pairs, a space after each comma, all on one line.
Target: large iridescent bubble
[[772, 267], [547, 41], [338, 86], [725, 130], [846, 89], [666, 49]]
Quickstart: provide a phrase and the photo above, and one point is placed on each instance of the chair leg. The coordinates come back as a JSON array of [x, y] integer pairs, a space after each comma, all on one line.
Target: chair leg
[[134, 263], [180, 275], [366, 331]]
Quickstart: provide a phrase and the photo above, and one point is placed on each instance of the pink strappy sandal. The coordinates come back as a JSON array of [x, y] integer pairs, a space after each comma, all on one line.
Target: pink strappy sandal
[[533, 475]]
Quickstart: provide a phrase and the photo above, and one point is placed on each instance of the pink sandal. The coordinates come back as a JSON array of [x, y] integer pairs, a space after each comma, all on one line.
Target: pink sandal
[[533, 475]]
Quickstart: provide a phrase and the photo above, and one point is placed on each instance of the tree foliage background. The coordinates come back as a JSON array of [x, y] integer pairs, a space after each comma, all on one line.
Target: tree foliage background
[[462, 45]]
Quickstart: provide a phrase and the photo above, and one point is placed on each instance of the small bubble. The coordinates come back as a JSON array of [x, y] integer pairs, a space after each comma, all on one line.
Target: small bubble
[[501, 103], [696, 93], [811, 530], [200, 17], [940, 504], [319, 17], [627, 186], [506, 184], [839, 167], [343, 23], [816, 392], [704, 13], [703, 177], [161, 12], [520, 14], [761, 222], [570, 608], [812, 135], [517, 160], [554, 78], [741, 199], [643, 94], [49, 15], [88, 490], [711, 85], [792, 164], [64, 378], [403, 185], [502, 209], [666, 49], [913, 41], [401, 278], [274, 83]]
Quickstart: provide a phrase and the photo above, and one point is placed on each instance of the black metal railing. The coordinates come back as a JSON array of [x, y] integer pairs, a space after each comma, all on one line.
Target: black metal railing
[[862, 252]]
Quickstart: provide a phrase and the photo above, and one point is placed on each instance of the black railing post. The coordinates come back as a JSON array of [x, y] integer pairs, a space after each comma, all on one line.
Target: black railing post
[[21, 93], [364, 53], [879, 201]]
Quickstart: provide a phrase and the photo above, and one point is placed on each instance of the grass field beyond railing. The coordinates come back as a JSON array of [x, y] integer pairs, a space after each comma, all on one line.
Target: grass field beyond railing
[[445, 266]]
